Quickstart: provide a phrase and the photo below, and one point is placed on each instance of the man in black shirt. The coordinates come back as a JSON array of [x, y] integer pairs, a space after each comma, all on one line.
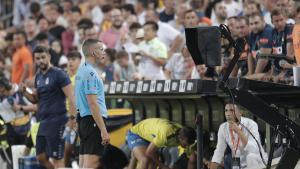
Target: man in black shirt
[[42, 40]]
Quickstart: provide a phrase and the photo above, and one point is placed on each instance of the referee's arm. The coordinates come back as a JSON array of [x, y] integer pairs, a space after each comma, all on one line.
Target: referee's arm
[[95, 110]]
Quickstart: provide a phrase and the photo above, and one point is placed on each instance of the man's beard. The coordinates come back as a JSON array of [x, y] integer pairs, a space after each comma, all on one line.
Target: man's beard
[[43, 66], [117, 26]]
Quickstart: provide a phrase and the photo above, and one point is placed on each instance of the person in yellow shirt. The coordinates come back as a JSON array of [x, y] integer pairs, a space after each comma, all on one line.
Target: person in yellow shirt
[[148, 135], [74, 60]]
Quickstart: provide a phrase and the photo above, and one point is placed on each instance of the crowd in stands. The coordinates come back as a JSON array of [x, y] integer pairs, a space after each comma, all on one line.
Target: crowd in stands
[[145, 39]]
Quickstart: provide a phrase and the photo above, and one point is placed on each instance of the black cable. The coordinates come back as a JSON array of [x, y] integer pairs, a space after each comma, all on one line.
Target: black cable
[[239, 122]]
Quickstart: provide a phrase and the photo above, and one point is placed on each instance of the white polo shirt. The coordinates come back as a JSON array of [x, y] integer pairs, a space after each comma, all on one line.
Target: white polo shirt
[[147, 67]]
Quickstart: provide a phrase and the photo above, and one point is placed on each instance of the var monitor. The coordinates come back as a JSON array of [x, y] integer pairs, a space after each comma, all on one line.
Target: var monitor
[[204, 44]]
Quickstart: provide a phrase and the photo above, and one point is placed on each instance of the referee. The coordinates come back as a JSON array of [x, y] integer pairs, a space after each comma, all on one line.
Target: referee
[[90, 102]]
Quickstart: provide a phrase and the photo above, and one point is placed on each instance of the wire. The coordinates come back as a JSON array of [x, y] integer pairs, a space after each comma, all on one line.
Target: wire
[[239, 122]]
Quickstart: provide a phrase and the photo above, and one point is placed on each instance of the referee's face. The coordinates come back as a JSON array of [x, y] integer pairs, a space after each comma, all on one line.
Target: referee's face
[[99, 51], [42, 60]]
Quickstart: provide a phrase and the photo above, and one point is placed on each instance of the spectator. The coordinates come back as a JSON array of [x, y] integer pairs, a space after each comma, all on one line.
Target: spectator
[[232, 23], [42, 40], [56, 46], [140, 9], [220, 15], [204, 73], [166, 33], [199, 7], [127, 69], [57, 22], [68, 36], [178, 23], [74, 59], [282, 5], [291, 11], [267, 7], [95, 12], [128, 14], [22, 62], [232, 7], [107, 65], [180, 66], [282, 35], [282, 44], [153, 52], [168, 14], [67, 6], [43, 24], [260, 42], [251, 8], [21, 11], [191, 19], [79, 36], [242, 33], [90, 32], [35, 10], [53, 15], [130, 41], [243, 146], [31, 31], [111, 37], [19, 126], [106, 23]]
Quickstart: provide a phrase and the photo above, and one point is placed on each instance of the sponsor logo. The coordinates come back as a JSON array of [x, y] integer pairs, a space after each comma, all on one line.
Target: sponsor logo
[[47, 81]]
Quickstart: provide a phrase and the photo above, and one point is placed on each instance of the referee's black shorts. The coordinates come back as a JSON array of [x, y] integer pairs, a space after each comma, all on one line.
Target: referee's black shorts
[[90, 137]]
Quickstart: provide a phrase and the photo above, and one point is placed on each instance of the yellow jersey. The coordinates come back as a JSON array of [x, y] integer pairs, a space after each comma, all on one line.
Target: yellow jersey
[[161, 132], [72, 78]]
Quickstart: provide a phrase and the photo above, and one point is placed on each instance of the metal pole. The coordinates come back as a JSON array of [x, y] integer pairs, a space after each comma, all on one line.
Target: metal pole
[[199, 123]]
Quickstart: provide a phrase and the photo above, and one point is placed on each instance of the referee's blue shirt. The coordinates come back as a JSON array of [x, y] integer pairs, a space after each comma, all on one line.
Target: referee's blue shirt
[[88, 82]]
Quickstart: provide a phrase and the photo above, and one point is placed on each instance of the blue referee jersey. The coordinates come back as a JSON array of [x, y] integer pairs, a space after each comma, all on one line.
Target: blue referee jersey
[[88, 82]]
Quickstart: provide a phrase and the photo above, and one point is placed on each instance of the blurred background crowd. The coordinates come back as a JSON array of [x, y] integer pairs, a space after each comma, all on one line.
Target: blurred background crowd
[[136, 51]]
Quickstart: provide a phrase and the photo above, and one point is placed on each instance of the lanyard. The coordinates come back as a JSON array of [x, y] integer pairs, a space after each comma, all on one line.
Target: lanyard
[[279, 38], [237, 144]]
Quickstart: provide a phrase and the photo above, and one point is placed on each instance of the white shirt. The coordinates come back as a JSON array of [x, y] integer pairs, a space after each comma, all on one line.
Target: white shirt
[[62, 21], [166, 33], [21, 12], [233, 8], [147, 67], [142, 17], [97, 15], [224, 139]]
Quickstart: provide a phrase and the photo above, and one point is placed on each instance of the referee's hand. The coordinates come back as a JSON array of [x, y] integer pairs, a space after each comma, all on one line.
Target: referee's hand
[[105, 137]]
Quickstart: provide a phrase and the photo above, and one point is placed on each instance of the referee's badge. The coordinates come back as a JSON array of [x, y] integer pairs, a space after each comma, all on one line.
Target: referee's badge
[[47, 81]]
